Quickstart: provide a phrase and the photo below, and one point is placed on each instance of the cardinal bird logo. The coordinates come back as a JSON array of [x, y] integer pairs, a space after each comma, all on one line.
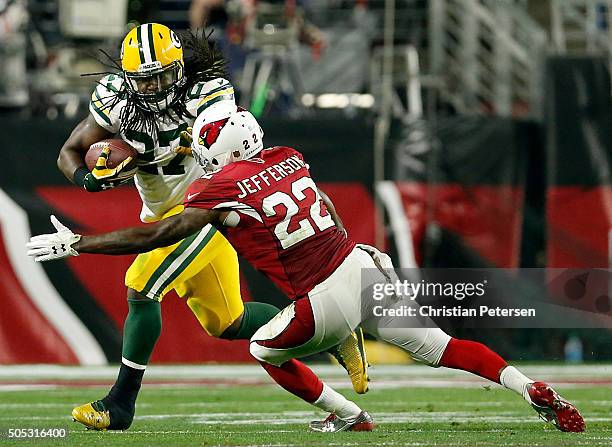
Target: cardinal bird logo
[[210, 132]]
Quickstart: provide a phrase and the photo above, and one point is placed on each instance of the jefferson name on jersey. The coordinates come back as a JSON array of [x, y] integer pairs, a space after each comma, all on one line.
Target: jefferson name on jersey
[[276, 173], [277, 219]]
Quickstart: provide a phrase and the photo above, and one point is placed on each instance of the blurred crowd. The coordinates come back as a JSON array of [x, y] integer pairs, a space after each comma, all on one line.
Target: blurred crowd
[[276, 50]]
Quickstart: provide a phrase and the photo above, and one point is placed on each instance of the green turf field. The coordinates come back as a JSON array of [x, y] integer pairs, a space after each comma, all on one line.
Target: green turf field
[[260, 414]]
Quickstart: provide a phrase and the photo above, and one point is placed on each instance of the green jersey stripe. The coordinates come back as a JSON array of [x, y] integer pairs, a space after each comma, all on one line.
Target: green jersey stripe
[[197, 94], [102, 115], [218, 89], [169, 260], [103, 101], [214, 100], [187, 260], [99, 110]]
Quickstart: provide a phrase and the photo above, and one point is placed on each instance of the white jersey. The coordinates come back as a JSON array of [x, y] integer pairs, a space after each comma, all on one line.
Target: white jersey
[[163, 176]]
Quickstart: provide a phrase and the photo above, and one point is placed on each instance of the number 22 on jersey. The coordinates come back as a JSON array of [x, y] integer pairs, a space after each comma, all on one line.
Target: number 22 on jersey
[[297, 206]]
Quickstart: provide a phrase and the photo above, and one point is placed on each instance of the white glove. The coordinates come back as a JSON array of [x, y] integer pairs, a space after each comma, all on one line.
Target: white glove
[[47, 247]]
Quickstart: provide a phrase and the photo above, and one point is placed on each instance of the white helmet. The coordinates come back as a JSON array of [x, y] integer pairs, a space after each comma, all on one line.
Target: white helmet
[[223, 134]]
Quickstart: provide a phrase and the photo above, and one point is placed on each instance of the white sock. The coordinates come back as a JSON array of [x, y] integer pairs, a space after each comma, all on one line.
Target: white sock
[[131, 364], [334, 402], [516, 381]]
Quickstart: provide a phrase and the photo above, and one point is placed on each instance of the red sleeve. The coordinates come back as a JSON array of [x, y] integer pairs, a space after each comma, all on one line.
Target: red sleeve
[[299, 154], [288, 151], [210, 192], [291, 151], [301, 157]]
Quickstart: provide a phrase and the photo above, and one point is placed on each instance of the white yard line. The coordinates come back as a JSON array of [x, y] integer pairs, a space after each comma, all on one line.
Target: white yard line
[[27, 387], [252, 371], [300, 417], [378, 385]]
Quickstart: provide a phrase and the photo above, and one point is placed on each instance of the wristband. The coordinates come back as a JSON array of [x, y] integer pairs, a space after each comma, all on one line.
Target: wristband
[[79, 176]]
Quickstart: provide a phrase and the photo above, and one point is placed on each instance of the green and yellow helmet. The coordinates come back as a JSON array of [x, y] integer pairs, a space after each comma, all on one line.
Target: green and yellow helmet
[[153, 67]]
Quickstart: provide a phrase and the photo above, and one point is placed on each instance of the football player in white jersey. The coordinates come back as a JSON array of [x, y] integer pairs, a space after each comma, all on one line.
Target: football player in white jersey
[[149, 103]]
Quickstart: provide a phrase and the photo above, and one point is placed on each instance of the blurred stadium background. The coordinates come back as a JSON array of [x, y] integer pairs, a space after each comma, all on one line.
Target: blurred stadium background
[[452, 133]]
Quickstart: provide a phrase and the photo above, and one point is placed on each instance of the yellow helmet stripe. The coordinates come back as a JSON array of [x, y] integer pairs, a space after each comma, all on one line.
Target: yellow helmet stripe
[[139, 42]]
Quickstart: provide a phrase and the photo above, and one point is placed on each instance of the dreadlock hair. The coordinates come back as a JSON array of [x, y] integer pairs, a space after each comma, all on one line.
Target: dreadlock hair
[[203, 62]]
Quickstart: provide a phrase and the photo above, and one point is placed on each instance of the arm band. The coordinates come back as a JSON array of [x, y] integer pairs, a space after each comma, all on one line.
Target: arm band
[[79, 176]]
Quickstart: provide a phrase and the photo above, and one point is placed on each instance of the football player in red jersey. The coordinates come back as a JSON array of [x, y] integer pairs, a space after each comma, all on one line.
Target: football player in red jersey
[[272, 212]]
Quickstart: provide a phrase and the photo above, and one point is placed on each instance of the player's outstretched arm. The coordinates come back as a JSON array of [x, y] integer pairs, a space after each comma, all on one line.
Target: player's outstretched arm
[[142, 239], [64, 242], [332, 210]]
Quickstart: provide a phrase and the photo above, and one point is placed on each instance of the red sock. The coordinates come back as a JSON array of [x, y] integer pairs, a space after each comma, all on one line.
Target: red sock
[[473, 357], [296, 378]]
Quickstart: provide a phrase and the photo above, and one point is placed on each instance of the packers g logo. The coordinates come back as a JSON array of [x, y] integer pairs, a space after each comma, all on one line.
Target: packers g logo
[[175, 39], [210, 132]]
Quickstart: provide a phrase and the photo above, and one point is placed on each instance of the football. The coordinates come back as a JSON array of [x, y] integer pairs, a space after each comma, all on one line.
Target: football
[[119, 151]]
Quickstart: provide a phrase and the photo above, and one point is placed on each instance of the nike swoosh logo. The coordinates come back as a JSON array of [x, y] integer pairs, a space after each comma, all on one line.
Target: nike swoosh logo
[[191, 196]]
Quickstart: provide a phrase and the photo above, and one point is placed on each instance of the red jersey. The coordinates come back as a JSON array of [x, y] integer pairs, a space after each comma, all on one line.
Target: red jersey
[[279, 222]]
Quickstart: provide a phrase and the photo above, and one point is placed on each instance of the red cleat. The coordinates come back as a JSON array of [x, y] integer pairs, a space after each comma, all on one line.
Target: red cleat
[[553, 408]]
